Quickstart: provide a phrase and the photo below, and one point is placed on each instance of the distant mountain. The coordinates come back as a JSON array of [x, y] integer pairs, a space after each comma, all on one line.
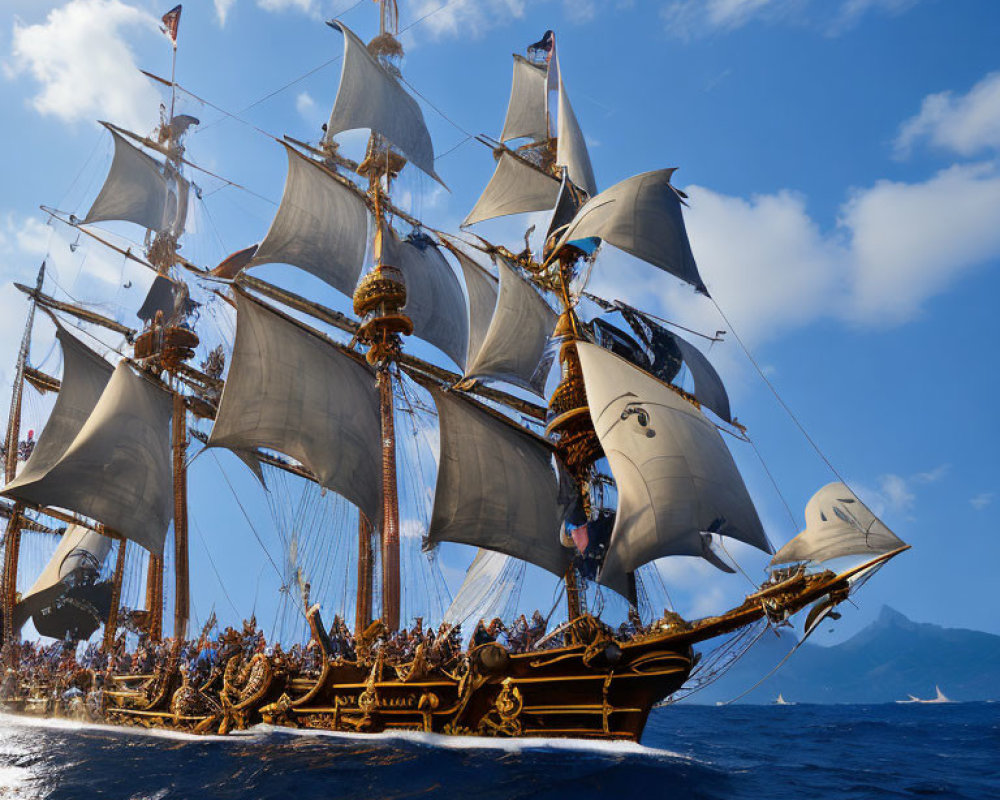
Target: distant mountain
[[890, 659]]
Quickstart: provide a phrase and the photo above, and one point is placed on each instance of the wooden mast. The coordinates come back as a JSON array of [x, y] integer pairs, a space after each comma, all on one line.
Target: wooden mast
[[378, 302], [181, 587], [111, 626], [366, 569], [12, 538]]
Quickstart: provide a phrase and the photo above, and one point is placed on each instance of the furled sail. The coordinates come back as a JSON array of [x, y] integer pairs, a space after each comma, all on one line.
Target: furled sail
[[496, 488], [642, 216], [291, 391], [434, 300], [141, 190], [321, 226], [526, 114], [85, 375], [571, 147], [838, 524], [66, 597], [676, 479], [481, 288], [370, 97], [514, 347], [117, 469], [516, 187]]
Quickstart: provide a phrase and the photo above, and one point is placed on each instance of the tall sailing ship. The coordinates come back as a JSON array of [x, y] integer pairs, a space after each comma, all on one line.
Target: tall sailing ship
[[593, 480]]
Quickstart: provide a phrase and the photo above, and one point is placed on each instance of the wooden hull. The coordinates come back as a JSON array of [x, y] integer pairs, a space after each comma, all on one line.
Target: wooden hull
[[597, 691]]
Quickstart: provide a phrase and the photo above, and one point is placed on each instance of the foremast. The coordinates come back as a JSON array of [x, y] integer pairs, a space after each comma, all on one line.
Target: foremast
[[12, 538]]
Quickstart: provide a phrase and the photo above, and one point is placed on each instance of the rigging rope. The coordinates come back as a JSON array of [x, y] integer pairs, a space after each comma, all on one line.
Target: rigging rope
[[777, 396]]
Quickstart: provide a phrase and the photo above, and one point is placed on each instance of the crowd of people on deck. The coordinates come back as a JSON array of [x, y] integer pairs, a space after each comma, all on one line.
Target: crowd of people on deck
[[59, 664]]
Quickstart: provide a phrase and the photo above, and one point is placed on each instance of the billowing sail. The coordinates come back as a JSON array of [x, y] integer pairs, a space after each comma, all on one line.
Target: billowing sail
[[526, 115], [676, 479], [708, 386], [838, 524], [642, 216], [370, 97], [66, 597], [85, 375], [321, 227], [170, 297], [496, 488], [481, 288], [139, 189], [291, 391], [434, 300], [567, 204], [484, 592], [571, 147], [117, 470], [514, 347], [516, 187]]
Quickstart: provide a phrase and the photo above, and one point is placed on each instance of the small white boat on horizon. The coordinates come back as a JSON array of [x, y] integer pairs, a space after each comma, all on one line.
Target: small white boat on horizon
[[939, 697]]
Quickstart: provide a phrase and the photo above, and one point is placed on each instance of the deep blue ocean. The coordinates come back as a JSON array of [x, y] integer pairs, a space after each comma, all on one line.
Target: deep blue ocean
[[688, 752]]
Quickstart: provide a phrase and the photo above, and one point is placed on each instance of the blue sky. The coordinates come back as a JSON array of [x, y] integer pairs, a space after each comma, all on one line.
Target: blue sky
[[841, 159]]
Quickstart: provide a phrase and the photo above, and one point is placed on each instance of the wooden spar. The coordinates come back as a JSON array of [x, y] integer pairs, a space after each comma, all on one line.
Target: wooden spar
[[12, 539], [42, 381], [127, 252], [366, 574], [8, 509], [573, 604], [181, 587], [111, 626], [76, 311], [348, 325]]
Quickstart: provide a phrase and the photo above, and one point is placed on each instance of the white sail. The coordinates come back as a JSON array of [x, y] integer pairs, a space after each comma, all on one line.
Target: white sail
[[370, 97], [642, 216], [838, 524], [496, 488], [515, 188], [708, 387], [526, 114], [79, 548], [483, 592], [514, 347], [118, 469], [85, 375], [676, 480], [321, 226], [481, 290], [140, 189], [291, 391], [571, 146], [434, 300]]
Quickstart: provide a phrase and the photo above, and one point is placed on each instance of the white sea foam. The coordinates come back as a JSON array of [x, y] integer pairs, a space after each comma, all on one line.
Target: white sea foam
[[57, 723], [511, 745]]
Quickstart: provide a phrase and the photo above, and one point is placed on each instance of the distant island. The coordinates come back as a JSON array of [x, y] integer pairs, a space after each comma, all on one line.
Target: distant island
[[889, 660]]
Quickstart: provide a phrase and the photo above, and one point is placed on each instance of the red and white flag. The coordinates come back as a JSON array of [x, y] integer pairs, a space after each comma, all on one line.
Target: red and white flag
[[170, 22]]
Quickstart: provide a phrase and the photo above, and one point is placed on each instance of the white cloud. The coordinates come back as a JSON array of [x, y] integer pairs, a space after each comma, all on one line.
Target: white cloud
[[467, 18], [305, 6], [773, 269], [689, 18], [222, 8], [982, 500], [898, 494], [305, 105], [967, 124], [86, 69]]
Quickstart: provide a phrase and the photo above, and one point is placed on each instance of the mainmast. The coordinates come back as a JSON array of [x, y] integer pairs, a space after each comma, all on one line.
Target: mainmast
[[12, 539], [378, 302]]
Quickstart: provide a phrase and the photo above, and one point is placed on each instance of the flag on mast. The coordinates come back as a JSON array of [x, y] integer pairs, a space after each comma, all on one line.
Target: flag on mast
[[170, 22]]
